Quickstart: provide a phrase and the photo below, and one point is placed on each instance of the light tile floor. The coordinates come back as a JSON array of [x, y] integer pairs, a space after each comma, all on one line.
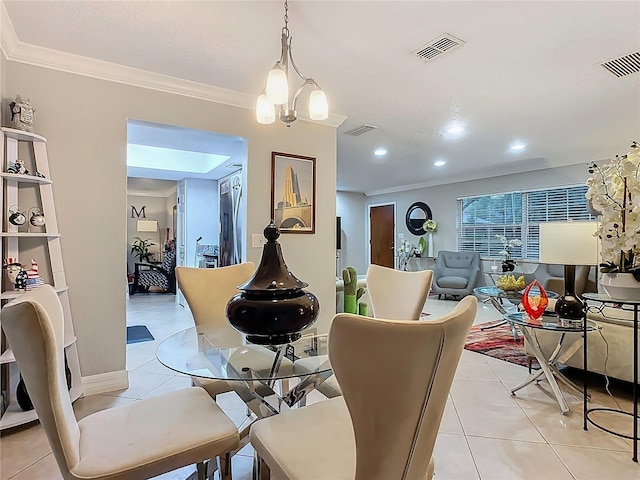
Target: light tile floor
[[486, 433]]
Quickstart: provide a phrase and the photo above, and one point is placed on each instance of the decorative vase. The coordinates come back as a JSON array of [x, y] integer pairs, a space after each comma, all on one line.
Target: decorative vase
[[534, 300], [272, 308], [362, 309], [430, 245], [22, 396], [622, 286], [508, 265], [350, 304]]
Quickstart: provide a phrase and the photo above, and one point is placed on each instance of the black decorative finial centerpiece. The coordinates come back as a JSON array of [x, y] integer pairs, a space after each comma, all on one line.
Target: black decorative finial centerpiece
[[272, 307]]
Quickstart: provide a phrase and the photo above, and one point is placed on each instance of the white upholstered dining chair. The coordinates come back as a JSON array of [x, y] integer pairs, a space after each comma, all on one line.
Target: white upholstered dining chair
[[395, 295], [207, 291], [141, 440], [371, 433]]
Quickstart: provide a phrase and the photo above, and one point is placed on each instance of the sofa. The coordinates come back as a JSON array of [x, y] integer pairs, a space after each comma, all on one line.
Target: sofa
[[610, 347]]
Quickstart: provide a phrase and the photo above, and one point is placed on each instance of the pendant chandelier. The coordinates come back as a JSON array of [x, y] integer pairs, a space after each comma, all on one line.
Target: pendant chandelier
[[276, 93]]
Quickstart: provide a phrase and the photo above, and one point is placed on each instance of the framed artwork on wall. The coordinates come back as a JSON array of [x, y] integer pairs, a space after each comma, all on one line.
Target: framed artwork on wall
[[293, 192]]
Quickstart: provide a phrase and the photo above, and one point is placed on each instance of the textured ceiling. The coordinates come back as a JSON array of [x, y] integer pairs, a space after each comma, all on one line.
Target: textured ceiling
[[527, 71]]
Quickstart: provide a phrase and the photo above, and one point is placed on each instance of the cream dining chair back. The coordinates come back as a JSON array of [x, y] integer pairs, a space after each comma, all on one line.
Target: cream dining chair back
[[141, 440], [396, 294], [394, 428], [207, 291]]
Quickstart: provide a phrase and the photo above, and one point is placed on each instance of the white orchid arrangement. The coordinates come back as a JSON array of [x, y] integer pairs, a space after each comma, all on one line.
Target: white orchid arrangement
[[430, 226], [614, 192], [405, 251], [507, 245]]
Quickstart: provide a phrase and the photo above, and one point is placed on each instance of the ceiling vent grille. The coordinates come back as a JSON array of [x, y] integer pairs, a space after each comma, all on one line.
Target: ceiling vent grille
[[354, 132], [437, 47], [623, 65]]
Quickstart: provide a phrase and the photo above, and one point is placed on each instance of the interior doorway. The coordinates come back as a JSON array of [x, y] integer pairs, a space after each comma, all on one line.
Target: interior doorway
[[192, 162], [382, 234]]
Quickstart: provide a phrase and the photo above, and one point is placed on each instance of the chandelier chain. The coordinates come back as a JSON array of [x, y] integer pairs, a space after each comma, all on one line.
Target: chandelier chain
[[285, 29]]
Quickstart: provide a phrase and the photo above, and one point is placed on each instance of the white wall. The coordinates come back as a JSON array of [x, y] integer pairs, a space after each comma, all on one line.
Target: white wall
[[85, 122], [351, 207], [442, 199], [155, 208], [202, 213]]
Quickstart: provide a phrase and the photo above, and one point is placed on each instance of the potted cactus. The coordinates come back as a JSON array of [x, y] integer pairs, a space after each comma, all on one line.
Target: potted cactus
[[352, 292]]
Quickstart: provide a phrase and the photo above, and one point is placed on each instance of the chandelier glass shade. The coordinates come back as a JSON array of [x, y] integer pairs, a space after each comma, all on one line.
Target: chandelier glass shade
[[276, 95]]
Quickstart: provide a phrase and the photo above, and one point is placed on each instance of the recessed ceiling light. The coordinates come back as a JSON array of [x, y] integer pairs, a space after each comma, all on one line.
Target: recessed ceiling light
[[439, 163], [454, 130], [380, 152], [517, 147]]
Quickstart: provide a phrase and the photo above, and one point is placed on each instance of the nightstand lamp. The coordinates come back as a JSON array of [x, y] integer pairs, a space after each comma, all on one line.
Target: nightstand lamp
[[569, 244]]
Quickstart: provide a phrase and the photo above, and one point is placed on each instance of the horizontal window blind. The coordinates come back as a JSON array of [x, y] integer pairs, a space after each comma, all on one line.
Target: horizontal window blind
[[516, 215]]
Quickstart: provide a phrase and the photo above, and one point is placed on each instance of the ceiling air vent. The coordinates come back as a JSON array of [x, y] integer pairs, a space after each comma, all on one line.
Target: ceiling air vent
[[436, 47], [624, 65], [360, 130]]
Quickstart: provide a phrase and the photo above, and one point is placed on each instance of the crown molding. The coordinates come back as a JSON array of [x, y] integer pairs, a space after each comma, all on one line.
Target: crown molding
[[17, 51]]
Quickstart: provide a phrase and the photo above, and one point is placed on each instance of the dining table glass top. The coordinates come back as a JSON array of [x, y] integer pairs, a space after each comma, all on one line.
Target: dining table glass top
[[210, 353]]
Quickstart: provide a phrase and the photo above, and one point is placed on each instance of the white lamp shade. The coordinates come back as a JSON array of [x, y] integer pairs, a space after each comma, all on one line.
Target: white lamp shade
[[277, 86], [318, 106], [147, 226], [265, 110], [569, 243]]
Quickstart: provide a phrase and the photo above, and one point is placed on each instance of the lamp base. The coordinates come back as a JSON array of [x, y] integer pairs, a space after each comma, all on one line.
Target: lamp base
[[570, 307]]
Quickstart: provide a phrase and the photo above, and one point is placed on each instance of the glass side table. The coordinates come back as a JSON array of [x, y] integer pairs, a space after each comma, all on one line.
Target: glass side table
[[497, 296], [548, 364], [605, 300]]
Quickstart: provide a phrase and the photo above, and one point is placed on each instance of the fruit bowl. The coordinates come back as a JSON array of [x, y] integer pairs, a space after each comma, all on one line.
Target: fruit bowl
[[510, 283]]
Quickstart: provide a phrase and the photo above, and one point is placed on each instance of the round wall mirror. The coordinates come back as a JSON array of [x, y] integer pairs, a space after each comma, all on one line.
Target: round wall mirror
[[417, 214]]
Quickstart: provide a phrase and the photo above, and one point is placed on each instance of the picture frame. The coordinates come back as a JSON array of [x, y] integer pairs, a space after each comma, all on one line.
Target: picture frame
[[293, 192]]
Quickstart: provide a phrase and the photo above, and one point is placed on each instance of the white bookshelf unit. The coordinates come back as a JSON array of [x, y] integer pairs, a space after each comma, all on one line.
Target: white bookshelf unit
[[48, 239]]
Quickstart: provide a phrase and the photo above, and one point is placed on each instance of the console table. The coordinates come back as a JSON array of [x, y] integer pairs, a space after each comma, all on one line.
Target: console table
[[604, 300]]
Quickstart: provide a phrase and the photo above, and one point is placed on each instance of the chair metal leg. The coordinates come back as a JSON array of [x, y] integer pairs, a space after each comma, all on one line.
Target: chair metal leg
[[224, 466], [260, 468]]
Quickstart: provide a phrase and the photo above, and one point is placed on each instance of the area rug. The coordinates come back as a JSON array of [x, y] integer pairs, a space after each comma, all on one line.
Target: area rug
[[498, 342], [138, 333]]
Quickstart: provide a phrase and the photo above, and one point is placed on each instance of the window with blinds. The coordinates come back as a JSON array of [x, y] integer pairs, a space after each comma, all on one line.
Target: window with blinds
[[516, 215]]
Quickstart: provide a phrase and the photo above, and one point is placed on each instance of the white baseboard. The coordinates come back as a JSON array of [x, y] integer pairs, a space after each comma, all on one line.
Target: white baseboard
[[105, 382]]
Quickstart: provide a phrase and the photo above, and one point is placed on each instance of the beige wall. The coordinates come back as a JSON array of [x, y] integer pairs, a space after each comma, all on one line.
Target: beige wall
[[85, 122]]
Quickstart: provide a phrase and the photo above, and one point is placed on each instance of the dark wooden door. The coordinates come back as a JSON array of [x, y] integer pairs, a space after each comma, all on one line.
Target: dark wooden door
[[381, 228]]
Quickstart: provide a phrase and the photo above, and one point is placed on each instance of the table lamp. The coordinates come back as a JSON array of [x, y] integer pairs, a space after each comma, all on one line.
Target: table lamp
[[569, 244]]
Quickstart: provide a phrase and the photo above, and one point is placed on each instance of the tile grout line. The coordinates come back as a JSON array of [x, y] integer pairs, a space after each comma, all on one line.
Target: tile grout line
[[466, 439]]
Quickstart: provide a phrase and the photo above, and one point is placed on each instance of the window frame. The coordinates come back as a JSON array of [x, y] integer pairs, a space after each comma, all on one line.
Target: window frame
[[534, 204]]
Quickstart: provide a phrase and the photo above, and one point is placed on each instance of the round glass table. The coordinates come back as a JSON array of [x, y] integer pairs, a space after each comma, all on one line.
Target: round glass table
[[251, 370], [548, 364]]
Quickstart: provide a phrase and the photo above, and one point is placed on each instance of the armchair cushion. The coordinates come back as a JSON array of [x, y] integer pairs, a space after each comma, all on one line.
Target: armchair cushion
[[453, 282]]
